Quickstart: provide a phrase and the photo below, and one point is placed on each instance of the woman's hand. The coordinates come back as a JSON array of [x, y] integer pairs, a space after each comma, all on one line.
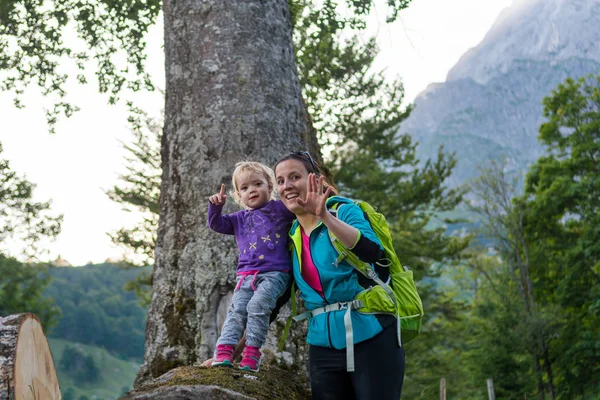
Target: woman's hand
[[219, 198], [315, 197], [315, 204]]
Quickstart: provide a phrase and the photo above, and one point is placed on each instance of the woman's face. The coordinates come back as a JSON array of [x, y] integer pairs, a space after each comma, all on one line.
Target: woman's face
[[292, 183]]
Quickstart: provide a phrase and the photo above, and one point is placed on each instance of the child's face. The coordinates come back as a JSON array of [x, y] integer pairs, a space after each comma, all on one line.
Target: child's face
[[253, 189]]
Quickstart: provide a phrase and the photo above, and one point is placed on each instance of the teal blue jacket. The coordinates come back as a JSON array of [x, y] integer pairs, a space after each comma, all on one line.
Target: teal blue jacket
[[340, 283]]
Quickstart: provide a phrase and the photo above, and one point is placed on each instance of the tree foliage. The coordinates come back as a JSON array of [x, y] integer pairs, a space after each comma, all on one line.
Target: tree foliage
[[563, 197], [491, 340], [21, 218], [78, 366], [139, 191], [96, 310], [534, 312], [24, 222], [35, 45], [503, 215], [341, 91], [21, 290]]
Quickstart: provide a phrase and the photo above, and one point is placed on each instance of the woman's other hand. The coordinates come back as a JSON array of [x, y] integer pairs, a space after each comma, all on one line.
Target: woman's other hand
[[315, 197]]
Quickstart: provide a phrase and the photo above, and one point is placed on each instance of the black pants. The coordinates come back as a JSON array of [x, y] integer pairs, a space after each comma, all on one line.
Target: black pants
[[378, 370]]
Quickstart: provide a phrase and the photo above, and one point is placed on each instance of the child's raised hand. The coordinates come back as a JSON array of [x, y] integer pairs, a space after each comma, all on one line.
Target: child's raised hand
[[219, 198]]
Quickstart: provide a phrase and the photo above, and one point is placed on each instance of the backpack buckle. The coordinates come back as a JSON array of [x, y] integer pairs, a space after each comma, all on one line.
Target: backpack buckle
[[340, 258], [371, 274]]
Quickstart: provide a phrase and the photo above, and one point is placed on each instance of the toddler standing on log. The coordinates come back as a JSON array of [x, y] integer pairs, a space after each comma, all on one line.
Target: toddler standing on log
[[263, 271]]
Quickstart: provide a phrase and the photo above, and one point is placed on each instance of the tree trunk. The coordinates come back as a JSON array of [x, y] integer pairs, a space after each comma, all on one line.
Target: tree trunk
[[548, 368], [26, 367], [232, 94], [541, 392]]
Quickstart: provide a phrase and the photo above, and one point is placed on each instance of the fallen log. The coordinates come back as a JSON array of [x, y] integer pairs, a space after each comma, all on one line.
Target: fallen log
[[26, 366]]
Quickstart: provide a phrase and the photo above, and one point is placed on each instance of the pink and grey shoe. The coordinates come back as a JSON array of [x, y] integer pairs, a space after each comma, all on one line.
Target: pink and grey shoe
[[250, 359], [223, 355]]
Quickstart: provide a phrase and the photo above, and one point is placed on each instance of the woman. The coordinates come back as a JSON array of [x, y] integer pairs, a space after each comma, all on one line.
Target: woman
[[378, 360]]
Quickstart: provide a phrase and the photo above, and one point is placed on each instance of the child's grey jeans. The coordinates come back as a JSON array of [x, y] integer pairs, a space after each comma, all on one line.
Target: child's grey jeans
[[253, 300]]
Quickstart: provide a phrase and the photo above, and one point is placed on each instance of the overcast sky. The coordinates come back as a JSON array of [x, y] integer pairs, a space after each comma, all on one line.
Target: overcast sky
[[75, 166]]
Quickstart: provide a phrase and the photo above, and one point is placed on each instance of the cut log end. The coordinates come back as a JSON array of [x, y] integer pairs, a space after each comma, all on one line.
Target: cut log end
[[26, 366]]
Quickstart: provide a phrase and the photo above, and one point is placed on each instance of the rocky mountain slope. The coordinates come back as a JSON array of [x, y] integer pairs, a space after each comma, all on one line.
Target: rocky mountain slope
[[491, 103]]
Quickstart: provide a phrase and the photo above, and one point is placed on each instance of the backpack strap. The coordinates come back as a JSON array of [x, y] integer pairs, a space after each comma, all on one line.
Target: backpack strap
[[288, 322]]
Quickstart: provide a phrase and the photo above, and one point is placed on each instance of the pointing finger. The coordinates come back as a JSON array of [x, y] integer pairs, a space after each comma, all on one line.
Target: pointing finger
[[222, 189]]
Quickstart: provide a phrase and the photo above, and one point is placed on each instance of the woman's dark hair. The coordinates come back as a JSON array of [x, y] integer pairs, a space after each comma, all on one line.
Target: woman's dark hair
[[311, 165]]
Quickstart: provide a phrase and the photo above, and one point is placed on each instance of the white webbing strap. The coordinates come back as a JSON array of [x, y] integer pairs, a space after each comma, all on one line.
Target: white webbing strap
[[344, 305], [349, 341]]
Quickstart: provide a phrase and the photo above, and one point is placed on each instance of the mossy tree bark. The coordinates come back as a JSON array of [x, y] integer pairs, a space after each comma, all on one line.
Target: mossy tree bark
[[232, 94]]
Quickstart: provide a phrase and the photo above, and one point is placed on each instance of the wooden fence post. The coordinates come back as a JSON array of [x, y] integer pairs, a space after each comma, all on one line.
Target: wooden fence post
[[443, 389], [490, 386]]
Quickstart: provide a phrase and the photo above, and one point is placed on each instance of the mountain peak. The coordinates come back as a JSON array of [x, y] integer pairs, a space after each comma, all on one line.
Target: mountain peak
[[538, 30]]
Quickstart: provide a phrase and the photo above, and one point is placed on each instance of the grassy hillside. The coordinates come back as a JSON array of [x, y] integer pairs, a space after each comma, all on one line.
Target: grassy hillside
[[96, 310], [98, 343], [114, 378]]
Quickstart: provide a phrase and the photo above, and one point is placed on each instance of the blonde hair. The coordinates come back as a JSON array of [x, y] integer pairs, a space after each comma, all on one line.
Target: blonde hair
[[256, 167]]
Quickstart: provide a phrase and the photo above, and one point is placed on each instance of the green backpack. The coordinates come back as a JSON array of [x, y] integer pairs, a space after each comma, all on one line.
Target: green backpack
[[399, 295]]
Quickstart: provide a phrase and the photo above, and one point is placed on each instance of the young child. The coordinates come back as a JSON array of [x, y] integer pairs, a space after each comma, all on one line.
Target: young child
[[264, 265]]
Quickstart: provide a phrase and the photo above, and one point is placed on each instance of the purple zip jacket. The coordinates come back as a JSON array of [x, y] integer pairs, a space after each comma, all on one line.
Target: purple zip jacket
[[261, 235]]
